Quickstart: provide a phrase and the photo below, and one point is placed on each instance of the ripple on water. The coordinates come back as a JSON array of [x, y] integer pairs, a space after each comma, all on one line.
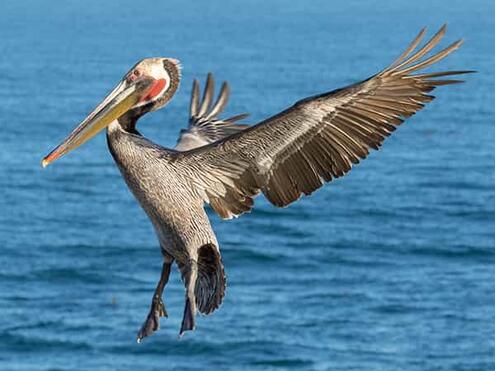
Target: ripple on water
[[388, 268]]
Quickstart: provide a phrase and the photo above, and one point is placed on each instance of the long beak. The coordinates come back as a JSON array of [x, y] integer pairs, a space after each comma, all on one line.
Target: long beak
[[116, 104]]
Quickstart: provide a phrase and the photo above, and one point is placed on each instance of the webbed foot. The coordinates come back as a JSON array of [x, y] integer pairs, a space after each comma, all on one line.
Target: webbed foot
[[189, 320], [152, 322]]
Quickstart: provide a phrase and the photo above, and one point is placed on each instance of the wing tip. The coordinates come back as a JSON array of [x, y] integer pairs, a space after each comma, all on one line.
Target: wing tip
[[407, 63]]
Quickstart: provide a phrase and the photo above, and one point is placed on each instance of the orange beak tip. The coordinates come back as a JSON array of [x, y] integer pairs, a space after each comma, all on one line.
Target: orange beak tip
[[45, 162]]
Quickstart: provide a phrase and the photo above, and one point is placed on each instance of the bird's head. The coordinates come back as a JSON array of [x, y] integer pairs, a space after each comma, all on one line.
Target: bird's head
[[148, 86]]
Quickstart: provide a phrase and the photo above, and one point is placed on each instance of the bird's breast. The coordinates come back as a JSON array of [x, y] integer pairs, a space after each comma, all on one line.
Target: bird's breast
[[177, 215]]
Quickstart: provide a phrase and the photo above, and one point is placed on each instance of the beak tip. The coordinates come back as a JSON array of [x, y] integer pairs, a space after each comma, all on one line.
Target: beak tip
[[44, 162]]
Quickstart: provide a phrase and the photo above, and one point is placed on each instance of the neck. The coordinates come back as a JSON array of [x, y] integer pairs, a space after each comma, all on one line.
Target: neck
[[118, 135], [174, 74], [127, 123]]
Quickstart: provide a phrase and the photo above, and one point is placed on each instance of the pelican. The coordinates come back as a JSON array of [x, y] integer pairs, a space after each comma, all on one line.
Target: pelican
[[224, 164]]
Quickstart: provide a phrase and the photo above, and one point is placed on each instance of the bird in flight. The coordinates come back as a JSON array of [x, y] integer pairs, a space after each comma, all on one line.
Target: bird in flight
[[224, 164]]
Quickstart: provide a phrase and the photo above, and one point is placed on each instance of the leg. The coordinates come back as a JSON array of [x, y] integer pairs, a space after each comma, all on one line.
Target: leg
[[188, 321], [152, 322]]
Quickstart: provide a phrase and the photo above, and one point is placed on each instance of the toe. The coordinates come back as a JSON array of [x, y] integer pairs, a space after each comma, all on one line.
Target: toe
[[151, 325]]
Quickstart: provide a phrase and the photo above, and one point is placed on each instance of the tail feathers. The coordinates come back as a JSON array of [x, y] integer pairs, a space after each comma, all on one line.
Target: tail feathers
[[211, 283]]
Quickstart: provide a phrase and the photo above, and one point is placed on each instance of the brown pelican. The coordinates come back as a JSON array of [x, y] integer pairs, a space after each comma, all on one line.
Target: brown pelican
[[226, 165]]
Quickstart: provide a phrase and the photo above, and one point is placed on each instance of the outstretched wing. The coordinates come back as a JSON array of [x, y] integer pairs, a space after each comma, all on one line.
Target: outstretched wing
[[204, 125], [319, 138]]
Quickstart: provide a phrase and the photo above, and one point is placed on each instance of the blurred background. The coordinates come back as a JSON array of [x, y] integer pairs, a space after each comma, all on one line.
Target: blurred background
[[389, 268]]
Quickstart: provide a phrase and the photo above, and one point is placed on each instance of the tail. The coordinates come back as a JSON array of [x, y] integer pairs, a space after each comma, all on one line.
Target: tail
[[205, 284], [211, 283]]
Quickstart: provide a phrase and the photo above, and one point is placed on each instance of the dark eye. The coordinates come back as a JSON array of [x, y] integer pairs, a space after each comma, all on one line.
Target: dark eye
[[134, 75]]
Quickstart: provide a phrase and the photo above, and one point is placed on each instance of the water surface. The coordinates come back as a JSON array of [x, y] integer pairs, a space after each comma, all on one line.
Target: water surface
[[389, 268]]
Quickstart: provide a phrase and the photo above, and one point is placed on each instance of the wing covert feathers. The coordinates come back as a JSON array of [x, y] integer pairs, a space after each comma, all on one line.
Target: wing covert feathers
[[319, 138]]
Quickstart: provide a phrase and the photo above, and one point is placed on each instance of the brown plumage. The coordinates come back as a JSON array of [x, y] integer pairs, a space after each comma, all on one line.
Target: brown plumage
[[226, 165], [204, 125], [322, 137]]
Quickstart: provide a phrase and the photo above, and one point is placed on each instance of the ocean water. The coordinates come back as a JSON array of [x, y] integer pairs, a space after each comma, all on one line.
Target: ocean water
[[389, 268]]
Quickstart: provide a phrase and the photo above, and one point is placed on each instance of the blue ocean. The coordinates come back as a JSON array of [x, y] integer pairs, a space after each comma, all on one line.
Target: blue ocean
[[391, 267]]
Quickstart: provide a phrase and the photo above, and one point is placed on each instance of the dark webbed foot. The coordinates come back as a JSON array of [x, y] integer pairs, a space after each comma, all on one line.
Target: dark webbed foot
[[188, 321], [152, 322]]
